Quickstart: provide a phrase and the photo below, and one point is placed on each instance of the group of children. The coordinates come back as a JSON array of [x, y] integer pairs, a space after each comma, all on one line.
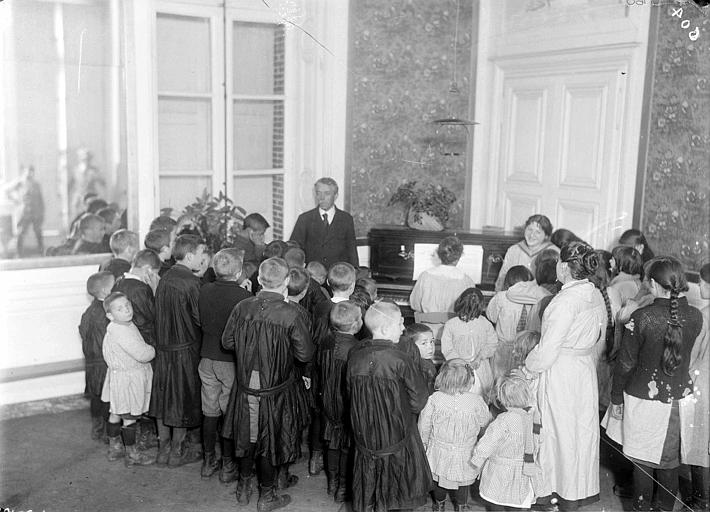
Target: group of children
[[177, 345]]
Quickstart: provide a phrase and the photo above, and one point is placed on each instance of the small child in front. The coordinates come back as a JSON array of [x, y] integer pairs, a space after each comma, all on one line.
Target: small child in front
[[449, 425], [422, 337], [506, 455], [128, 380], [390, 468], [345, 320], [471, 337], [92, 330]]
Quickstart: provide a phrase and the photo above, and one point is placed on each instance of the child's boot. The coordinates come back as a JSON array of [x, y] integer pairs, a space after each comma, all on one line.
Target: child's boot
[[269, 500], [284, 478], [333, 480], [315, 463], [133, 454], [116, 450], [228, 471], [146, 435], [438, 506], [245, 488], [341, 493], [163, 452], [210, 465]]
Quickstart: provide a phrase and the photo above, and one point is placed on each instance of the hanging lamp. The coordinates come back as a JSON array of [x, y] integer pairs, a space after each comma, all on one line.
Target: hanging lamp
[[449, 129]]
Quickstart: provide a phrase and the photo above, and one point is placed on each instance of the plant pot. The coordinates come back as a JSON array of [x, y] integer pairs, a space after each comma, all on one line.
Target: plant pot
[[423, 221]]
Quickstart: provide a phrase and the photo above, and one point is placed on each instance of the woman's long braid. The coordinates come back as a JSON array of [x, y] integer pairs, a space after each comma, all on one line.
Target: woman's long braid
[[609, 337], [674, 336]]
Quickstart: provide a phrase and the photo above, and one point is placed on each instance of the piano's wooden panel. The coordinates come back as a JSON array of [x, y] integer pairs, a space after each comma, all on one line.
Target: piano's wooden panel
[[392, 264]]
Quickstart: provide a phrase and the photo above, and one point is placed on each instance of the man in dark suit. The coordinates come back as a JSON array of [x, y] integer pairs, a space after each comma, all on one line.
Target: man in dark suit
[[326, 233]]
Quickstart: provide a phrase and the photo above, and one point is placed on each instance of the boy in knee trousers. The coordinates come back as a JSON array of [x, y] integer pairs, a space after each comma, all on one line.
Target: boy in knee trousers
[[216, 302]]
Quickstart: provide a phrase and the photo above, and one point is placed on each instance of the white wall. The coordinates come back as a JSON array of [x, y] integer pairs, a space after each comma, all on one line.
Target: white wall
[[40, 310]]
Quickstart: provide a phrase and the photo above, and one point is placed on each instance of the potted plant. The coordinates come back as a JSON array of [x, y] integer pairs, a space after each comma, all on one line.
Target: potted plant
[[426, 206], [216, 218]]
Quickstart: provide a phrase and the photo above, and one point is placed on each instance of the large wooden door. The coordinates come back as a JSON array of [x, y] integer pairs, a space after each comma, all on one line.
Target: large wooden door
[[559, 134]]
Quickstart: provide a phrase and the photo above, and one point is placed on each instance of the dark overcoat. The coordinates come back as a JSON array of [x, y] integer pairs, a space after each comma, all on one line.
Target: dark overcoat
[[386, 392], [267, 335]]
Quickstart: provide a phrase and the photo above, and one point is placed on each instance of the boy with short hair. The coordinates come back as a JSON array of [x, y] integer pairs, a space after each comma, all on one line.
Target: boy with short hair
[[370, 285], [175, 401], [317, 271], [124, 246], [128, 383], [268, 336], [161, 241], [139, 283], [92, 330], [216, 369], [164, 223], [251, 238], [346, 321], [296, 257], [341, 278], [383, 380], [91, 236]]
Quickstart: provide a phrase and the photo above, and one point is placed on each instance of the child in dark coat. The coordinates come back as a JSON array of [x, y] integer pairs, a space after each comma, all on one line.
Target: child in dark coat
[[92, 330], [345, 321], [175, 399], [390, 468], [124, 246]]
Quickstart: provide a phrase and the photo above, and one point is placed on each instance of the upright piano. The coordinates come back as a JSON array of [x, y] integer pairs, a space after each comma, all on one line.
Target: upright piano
[[392, 258]]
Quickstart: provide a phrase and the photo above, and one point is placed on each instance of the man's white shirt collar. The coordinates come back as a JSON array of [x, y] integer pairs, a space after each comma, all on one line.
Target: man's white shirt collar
[[331, 213]]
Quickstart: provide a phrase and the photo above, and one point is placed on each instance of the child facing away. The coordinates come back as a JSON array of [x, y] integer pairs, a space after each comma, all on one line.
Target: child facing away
[[509, 309], [128, 380], [346, 320], [124, 246], [216, 369], [161, 241], [449, 426], [390, 468], [471, 337], [418, 342], [91, 236], [92, 330], [506, 455]]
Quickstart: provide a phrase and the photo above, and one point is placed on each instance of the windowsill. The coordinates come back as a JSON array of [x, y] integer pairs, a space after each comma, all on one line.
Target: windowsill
[[54, 261]]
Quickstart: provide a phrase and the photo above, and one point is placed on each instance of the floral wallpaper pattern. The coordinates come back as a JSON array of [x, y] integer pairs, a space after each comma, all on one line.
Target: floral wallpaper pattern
[[676, 207], [402, 68]]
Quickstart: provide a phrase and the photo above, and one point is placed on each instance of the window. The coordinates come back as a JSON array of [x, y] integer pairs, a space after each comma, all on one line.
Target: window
[[221, 104]]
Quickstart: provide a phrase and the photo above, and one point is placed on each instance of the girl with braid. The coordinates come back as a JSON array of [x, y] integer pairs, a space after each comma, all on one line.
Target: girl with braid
[[651, 384], [605, 349]]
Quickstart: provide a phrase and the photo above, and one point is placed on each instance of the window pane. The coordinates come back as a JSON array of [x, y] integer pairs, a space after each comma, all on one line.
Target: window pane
[[258, 134], [258, 58], [183, 46], [176, 192], [184, 134], [264, 195]]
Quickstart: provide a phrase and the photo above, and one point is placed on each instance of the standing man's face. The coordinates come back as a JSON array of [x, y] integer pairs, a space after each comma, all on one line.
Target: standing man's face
[[325, 196]]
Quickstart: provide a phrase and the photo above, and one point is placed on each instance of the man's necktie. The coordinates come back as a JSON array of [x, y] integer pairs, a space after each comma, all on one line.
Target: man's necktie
[[522, 322], [325, 220]]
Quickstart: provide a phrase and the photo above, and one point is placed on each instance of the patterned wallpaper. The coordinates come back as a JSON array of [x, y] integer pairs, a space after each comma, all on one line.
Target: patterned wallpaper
[[676, 208], [401, 70]]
